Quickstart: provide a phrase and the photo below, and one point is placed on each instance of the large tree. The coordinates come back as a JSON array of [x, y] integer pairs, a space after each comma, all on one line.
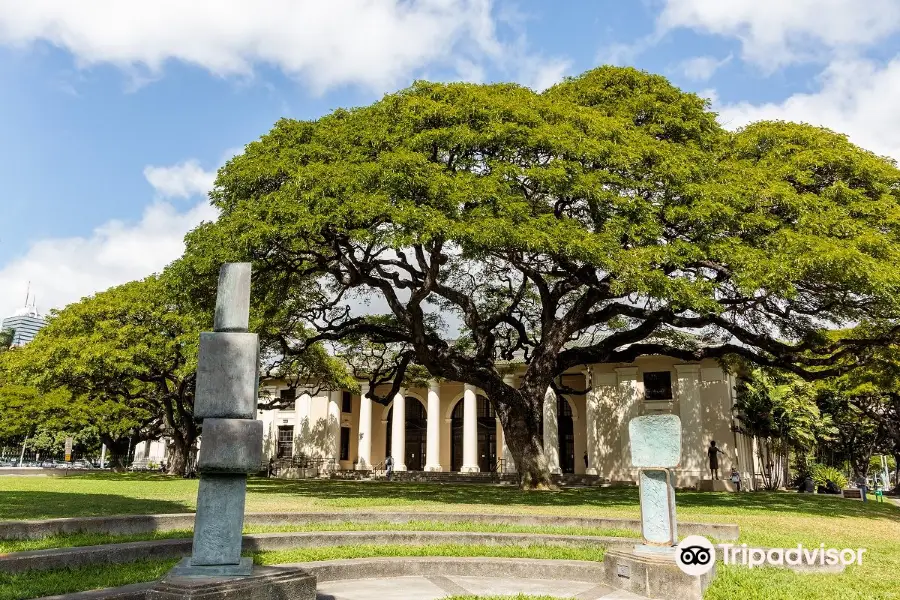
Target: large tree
[[488, 222], [127, 359]]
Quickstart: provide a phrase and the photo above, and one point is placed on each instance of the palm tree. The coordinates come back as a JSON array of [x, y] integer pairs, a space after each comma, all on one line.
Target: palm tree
[[780, 412]]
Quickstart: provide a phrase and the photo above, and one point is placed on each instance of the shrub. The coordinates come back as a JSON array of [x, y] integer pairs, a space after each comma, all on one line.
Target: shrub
[[820, 473]]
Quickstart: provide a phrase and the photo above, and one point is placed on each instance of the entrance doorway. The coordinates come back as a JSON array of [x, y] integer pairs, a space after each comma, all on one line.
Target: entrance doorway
[[416, 429], [486, 450]]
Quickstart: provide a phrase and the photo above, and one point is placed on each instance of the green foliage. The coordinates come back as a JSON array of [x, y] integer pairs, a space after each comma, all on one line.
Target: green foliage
[[780, 412], [821, 473], [6, 338], [615, 176], [875, 464], [119, 362], [781, 407]]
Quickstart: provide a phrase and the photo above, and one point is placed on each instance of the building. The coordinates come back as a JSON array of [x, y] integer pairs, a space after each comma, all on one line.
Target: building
[[25, 322], [449, 426]]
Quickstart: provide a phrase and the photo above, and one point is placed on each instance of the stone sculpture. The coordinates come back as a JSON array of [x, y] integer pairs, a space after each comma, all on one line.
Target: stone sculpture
[[225, 402], [651, 569], [656, 451]]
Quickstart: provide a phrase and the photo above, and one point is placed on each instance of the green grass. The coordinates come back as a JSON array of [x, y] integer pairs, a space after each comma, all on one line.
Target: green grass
[[64, 581], [765, 519], [92, 539]]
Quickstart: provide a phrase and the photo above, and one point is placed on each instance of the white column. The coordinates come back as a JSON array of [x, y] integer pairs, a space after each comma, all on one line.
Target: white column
[[398, 431], [364, 451], [630, 405], [303, 431], [591, 412], [551, 432], [433, 435], [693, 449], [470, 431], [333, 440], [103, 456], [509, 463]]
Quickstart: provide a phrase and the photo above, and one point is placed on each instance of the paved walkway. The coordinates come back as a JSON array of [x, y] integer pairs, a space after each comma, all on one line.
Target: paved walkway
[[433, 588]]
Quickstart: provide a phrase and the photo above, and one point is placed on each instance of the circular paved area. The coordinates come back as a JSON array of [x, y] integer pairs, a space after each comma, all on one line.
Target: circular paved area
[[433, 588]]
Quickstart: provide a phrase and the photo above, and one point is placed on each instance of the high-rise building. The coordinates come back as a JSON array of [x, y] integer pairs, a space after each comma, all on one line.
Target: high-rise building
[[25, 322]]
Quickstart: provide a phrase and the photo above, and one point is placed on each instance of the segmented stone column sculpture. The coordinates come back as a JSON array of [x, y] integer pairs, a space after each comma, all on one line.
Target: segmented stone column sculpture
[[225, 402]]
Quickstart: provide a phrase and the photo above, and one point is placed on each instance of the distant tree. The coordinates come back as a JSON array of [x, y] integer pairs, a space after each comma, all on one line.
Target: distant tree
[[127, 359], [611, 209], [858, 435], [868, 399]]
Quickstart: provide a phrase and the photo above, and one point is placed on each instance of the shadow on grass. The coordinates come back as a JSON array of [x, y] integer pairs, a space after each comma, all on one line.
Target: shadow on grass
[[18, 505], [385, 493]]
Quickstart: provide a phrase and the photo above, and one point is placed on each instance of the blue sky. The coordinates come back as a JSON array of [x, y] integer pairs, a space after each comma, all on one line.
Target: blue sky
[[115, 115]]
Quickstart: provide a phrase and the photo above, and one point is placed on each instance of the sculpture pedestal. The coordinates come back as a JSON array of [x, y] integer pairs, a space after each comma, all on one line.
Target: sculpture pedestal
[[715, 485], [653, 576], [265, 583]]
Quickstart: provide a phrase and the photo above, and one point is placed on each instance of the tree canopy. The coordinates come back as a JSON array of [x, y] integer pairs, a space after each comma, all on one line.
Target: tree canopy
[[126, 359], [606, 218]]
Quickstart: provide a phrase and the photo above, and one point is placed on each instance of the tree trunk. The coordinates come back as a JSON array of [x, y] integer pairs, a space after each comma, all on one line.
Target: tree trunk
[[181, 429], [179, 455], [521, 420], [116, 452]]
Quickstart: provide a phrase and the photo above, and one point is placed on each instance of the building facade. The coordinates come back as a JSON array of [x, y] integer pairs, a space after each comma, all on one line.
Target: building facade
[[449, 426], [26, 322]]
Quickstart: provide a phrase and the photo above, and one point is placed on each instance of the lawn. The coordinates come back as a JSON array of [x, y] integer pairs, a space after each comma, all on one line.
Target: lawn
[[766, 519]]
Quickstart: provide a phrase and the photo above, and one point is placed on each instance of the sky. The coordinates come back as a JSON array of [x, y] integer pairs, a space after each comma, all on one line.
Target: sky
[[114, 116]]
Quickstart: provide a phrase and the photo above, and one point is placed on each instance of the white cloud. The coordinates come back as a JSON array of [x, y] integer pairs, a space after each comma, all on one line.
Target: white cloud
[[539, 74], [180, 181], [63, 270], [624, 55], [377, 44], [774, 33], [702, 68], [856, 97]]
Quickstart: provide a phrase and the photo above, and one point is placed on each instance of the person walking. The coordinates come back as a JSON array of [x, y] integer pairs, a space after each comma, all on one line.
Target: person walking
[[585, 461], [389, 466], [713, 453]]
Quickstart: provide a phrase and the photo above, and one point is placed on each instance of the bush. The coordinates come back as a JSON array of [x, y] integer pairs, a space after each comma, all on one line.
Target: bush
[[820, 473]]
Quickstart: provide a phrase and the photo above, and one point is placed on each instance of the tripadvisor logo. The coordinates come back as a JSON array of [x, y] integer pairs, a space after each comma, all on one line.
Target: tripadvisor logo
[[696, 555]]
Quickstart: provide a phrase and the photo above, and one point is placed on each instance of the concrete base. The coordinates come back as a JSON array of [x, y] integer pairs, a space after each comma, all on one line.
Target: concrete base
[[434, 468], [470, 469], [265, 583], [715, 485], [652, 577]]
